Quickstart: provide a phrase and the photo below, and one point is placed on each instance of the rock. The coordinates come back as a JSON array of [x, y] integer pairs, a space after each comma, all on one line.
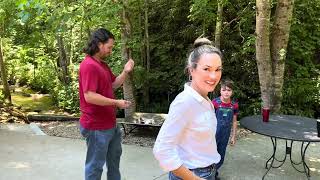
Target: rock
[[25, 94], [11, 119]]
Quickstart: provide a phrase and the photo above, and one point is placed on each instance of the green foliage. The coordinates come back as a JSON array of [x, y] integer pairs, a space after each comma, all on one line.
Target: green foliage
[[42, 80], [1, 96], [29, 66], [301, 88], [7, 18], [300, 96], [203, 12], [66, 97], [238, 47], [32, 54]]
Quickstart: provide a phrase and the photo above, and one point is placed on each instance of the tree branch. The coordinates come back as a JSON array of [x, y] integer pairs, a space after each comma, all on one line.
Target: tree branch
[[237, 18]]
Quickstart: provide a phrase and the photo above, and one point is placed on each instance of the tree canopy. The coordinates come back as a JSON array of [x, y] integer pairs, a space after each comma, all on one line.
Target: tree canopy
[[42, 44]]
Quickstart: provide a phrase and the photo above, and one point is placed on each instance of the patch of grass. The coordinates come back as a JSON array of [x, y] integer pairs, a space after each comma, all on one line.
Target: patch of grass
[[36, 102]]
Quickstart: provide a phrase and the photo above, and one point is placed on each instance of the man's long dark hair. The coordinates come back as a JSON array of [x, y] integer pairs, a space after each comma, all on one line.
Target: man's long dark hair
[[100, 35]]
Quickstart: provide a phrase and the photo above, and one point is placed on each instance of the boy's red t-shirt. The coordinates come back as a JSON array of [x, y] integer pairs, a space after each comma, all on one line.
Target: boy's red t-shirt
[[97, 77]]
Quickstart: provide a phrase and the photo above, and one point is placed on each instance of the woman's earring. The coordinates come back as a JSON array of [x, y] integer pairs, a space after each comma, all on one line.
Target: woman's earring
[[190, 78]]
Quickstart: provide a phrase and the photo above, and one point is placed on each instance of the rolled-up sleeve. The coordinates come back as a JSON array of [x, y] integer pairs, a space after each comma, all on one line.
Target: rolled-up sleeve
[[165, 148]]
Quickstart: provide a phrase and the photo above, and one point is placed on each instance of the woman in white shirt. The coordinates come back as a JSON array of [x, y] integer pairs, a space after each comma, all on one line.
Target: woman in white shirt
[[186, 145]]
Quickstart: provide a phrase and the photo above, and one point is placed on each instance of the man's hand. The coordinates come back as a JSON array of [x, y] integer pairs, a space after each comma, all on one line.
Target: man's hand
[[122, 104], [128, 67]]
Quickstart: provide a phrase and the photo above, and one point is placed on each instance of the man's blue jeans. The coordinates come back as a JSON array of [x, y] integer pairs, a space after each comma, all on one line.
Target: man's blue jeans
[[103, 147], [205, 173]]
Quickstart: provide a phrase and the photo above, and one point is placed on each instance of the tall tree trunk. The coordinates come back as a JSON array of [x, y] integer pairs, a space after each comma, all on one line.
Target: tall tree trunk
[[82, 22], [279, 42], [63, 62], [146, 94], [146, 30], [126, 54], [141, 32], [263, 49], [72, 47], [217, 37], [6, 90]]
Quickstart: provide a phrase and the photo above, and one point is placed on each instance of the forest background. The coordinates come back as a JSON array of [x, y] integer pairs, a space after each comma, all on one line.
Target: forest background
[[41, 46]]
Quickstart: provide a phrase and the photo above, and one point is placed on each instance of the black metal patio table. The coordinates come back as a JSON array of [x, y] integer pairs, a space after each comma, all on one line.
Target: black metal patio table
[[289, 128]]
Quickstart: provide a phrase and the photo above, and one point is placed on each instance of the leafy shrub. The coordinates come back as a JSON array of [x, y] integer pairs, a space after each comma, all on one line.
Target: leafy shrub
[[42, 80], [1, 97], [66, 96], [301, 97]]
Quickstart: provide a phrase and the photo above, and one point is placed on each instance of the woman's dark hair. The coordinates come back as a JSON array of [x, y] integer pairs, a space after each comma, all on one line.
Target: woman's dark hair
[[100, 35], [201, 46]]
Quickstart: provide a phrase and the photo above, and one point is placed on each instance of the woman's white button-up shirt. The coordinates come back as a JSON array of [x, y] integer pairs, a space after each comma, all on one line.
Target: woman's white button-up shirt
[[187, 137]]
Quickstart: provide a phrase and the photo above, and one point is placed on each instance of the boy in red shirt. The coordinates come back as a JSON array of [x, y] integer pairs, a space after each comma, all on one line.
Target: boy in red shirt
[[98, 107], [226, 111]]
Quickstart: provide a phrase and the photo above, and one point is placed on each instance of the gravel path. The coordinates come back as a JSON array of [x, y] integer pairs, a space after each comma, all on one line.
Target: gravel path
[[70, 129], [141, 136]]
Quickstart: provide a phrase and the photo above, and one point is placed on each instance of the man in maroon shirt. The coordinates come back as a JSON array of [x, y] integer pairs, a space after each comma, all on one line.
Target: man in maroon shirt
[[98, 107]]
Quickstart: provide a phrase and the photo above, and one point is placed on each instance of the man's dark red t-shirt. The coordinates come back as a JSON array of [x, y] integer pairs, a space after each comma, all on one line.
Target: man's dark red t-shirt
[[97, 77]]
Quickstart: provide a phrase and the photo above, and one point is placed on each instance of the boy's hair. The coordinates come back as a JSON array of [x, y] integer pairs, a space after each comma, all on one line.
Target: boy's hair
[[227, 83]]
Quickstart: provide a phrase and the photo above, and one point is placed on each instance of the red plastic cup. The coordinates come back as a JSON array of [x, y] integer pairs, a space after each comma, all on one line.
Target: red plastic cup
[[265, 114]]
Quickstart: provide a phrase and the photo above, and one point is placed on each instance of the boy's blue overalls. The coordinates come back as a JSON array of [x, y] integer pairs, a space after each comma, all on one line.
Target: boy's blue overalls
[[224, 123]]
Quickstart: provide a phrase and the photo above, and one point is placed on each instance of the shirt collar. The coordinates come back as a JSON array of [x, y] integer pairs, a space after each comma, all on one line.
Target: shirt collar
[[97, 61], [194, 93]]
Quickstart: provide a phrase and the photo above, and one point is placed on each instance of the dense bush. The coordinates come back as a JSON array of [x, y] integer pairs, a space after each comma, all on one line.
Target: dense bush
[[1, 97], [66, 96]]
